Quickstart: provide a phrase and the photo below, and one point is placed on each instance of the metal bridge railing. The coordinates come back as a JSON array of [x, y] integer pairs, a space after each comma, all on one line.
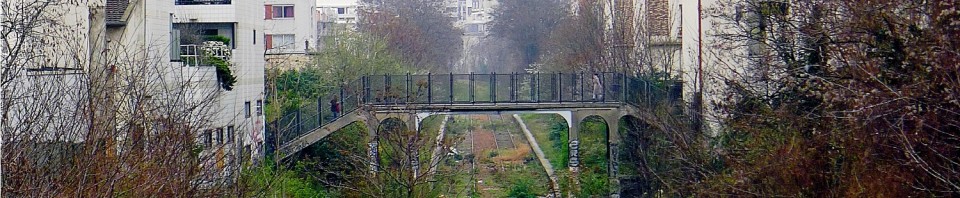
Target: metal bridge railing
[[472, 88]]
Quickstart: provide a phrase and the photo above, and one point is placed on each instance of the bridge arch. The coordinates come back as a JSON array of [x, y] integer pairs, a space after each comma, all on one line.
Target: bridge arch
[[592, 145]]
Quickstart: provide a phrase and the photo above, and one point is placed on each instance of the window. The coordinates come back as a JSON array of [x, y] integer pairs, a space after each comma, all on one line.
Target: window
[[209, 32], [206, 138], [219, 136], [246, 109], [259, 107], [281, 41], [282, 11], [230, 133], [341, 10]]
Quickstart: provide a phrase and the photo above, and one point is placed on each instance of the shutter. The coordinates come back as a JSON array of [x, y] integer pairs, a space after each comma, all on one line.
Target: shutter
[[267, 41], [268, 10]]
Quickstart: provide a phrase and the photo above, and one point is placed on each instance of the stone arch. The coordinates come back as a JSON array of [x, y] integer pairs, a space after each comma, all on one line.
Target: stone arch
[[594, 155], [395, 137]]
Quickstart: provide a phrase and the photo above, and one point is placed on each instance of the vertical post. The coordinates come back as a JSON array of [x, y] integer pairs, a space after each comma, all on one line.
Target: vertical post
[[582, 81], [536, 92], [471, 85], [366, 89], [493, 87], [560, 87], [407, 98], [429, 88], [450, 87], [513, 87]]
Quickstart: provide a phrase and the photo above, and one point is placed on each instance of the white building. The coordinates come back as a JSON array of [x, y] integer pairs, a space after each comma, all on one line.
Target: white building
[[289, 26], [473, 16], [289, 32], [339, 11], [156, 47], [241, 109]]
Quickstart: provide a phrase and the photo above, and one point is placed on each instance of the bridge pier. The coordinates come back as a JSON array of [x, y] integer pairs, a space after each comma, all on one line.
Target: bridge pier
[[611, 116], [374, 122]]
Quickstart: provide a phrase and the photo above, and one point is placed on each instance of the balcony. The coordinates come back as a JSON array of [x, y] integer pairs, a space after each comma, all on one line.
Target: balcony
[[205, 54], [203, 2]]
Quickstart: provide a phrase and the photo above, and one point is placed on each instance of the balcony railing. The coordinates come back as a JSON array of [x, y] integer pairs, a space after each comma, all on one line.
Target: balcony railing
[[203, 2], [197, 55]]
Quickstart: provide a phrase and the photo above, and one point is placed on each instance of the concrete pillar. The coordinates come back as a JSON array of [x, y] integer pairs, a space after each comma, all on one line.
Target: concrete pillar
[[613, 140], [574, 145], [374, 156], [413, 125], [373, 146]]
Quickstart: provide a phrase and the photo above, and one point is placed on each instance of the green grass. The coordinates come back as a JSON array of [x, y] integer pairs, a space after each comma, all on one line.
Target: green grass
[[594, 180], [552, 135]]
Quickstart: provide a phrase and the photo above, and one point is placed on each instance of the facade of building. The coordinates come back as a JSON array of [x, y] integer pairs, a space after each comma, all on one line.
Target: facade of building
[[339, 11], [289, 26], [289, 33], [240, 109], [168, 50], [473, 16]]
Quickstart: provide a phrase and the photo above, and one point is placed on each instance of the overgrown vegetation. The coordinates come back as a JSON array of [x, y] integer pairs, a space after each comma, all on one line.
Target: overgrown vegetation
[[594, 178], [270, 181]]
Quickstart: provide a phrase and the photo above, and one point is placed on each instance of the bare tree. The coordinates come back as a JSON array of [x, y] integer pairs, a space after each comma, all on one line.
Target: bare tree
[[861, 95], [415, 30], [83, 117]]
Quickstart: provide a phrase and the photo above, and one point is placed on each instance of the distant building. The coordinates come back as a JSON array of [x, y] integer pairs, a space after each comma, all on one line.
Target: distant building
[[473, 16], [339, 11], [289, 32]]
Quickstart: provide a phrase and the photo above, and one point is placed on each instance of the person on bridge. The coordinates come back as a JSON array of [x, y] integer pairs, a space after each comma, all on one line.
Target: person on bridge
[[335, 107], [597, 88]]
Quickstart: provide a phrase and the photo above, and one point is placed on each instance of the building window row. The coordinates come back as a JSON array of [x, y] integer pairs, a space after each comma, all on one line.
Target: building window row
[[218, 136], [279, 11], [279, 41]]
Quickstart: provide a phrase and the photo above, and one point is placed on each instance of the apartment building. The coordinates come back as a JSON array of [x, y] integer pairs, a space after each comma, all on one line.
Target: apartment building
[[473, 16], [169, 51], [289, 32], [339, 11], [240, 110]]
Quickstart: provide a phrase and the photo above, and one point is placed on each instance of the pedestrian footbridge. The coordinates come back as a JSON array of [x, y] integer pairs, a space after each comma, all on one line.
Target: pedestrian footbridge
[[411, 98]]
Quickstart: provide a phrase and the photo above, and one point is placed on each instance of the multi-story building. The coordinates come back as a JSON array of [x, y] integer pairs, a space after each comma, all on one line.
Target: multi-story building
[[176, 53], [289, 32], [239, 110], [471, 15], [339, 11]]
